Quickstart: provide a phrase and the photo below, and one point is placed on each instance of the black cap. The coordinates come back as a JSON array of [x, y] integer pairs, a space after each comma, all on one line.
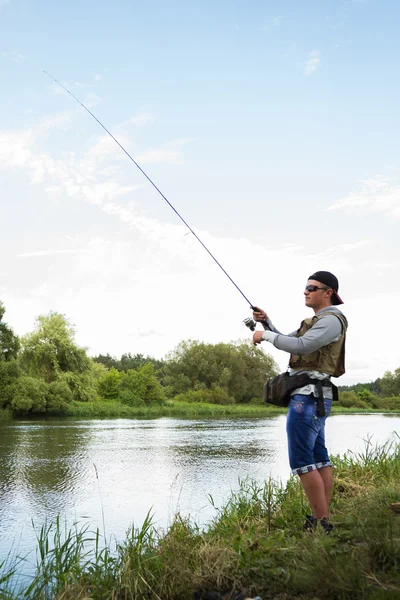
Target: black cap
[[329, 280]]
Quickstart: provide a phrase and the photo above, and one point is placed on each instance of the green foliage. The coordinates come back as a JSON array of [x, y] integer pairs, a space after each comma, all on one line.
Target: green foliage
[[217, 395], [9, 373], [9, 343], [239, 369], [141, 385], [29, 395], [128, 361], [350, 399], [109, 384], [59, 396], [390, 383], [82, 385], [50, 350]]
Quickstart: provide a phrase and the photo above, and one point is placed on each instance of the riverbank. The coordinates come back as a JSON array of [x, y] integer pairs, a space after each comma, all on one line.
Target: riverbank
[[255, 543], [117, 410]]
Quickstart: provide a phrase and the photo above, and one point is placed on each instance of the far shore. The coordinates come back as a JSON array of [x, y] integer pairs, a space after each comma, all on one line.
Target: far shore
[[111, 409]]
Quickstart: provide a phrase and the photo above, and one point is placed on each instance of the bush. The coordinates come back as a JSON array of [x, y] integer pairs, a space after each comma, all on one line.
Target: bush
[[10, 371], [82, 385], [109, 384], [351, 400], [140, 385], [59, 396], [30, 395], [392, 403], [215, 396]]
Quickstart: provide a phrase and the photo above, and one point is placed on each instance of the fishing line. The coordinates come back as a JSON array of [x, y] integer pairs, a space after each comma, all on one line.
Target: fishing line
[[153, 184]]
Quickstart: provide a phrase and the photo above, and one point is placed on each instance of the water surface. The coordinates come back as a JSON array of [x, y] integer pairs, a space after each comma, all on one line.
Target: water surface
[[111, 472]]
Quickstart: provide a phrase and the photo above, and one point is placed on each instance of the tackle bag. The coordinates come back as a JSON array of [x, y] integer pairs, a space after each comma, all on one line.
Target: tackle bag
[[278, 389]]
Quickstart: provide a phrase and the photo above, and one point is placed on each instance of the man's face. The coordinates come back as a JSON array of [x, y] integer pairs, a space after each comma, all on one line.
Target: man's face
[[316, 293]]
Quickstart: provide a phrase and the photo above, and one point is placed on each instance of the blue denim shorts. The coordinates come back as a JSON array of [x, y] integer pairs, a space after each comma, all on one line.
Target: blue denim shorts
[[306, 434]]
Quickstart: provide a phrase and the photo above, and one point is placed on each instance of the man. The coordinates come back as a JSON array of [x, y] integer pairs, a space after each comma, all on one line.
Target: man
[[316, 350]]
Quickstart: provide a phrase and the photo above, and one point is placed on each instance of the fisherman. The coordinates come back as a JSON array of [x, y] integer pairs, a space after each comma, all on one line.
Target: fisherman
[[317, 350]]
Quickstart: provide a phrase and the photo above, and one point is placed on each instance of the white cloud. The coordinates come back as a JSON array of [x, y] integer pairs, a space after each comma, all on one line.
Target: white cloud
[[378, 194], [153, 267], [312, 63], [49, 253], [169, 154], [98, 77], [142, 119], [15, 57], [276, 21]]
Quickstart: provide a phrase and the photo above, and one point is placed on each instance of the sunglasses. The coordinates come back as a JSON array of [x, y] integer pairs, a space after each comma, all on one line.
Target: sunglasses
[[314, 288]]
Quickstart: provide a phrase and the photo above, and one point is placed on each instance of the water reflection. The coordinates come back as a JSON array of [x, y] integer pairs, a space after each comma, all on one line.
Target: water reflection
[[83, 470]]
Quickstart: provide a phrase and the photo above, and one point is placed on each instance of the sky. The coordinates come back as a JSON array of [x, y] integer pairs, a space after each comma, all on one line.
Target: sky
[[271, 126]]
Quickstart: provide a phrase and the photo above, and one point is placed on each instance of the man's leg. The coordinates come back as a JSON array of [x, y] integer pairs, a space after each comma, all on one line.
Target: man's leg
[[321, 456], [308, 456], [327, 477], [314, 488]]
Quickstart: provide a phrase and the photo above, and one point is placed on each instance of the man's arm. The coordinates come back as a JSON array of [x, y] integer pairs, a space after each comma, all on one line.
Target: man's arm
[[326, 330], [275, 330]]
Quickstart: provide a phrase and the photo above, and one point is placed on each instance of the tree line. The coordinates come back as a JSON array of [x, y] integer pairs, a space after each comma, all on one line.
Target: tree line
[[45, 371]]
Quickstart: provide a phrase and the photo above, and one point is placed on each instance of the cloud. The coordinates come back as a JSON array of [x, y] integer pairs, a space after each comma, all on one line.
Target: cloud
[[276, 21], [142, 119], [312, 63], [152, 267], [15, 57], [375, 195], [3, 3], [98, 77], [49, 253], [169, 154]]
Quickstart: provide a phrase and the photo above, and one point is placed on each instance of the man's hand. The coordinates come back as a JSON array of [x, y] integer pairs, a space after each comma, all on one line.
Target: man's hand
[[257, 337], [260, 314]]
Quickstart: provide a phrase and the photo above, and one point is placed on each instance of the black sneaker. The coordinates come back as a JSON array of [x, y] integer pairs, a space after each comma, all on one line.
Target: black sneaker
[[310, 524], [326, 526]]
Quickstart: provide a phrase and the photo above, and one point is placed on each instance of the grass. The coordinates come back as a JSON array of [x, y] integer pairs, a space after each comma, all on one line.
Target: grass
[[112, 409], [254, 543]]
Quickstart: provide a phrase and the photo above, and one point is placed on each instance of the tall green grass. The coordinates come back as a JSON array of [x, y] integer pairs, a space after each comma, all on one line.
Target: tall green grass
[[254, 542], [110, 409]]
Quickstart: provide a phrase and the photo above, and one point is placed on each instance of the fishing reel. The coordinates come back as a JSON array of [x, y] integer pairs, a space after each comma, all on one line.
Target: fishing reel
[[250, 323]]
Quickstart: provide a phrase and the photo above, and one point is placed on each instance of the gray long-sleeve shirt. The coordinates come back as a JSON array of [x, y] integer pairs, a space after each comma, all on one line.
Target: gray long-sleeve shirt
[[326, 330]]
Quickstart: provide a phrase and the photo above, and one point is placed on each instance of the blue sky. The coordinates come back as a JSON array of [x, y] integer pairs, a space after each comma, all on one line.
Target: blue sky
[[272, 127]]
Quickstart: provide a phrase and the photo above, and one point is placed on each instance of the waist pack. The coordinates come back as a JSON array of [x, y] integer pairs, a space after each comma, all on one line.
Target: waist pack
[[278, 389]]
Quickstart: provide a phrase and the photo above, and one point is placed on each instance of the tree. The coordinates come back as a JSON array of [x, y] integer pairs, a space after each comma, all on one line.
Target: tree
[[9, 343], [141, 386], [50, 350], [109, 384], [50, 353], [390, 383], [240, 369]]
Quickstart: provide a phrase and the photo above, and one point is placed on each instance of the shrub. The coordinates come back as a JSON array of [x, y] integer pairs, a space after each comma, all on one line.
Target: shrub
[[140, 385], [30, 395], [109, 384], [9, 373], [351, 400], [217, 395], [59, 396]]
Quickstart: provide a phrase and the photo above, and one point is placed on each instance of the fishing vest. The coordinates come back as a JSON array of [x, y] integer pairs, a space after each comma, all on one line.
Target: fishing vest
[[328, 359]]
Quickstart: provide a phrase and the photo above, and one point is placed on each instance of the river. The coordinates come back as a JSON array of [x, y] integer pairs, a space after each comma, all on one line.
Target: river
[[110, 473]]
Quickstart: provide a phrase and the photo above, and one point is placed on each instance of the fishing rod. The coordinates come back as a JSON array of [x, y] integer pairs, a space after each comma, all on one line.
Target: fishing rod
[[248, 322]]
